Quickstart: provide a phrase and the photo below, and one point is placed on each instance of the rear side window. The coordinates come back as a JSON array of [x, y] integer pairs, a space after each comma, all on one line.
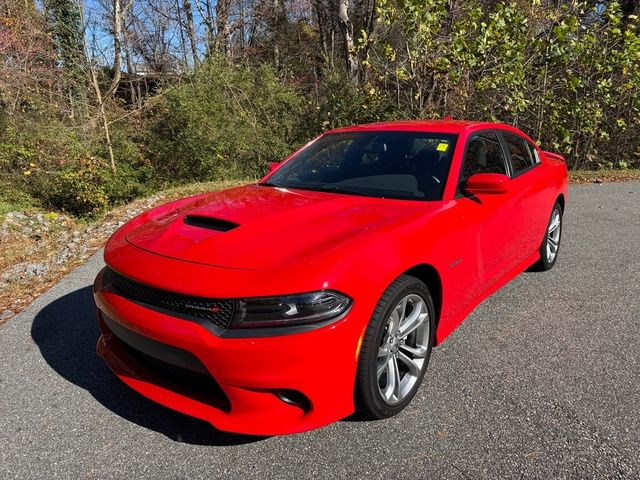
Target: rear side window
[[534, 153], [522, 158], [483, 155]]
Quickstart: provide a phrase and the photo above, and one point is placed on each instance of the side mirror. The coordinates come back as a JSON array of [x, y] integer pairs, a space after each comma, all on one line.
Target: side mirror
[[273, 166], [487, 183]]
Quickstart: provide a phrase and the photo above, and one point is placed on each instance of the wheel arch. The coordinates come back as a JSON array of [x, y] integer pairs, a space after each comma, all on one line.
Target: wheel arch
[[561, 201], [428, 274]]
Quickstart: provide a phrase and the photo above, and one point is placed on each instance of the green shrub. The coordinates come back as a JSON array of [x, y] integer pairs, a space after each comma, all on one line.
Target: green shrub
[[79, 193], [13, 196], [127, 183], [65, 167], [133, 175], [341, 103], [48, 162], [228, 122]]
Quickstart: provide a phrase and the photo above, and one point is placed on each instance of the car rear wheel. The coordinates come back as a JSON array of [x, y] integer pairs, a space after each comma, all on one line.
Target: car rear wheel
[[551, 242], [395, 349]]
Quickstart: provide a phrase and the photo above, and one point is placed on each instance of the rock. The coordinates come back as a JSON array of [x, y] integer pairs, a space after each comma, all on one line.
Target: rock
[[34, 269], [6, 315]]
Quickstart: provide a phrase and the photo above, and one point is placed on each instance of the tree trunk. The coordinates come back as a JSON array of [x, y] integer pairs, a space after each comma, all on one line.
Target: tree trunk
[[364, 21], [103, 117], [278, 26], [117, 52], [117, 48], [242, 29], [275, 27], [320, 12], [351, 57], [181, 29], [129, 64], [188, 12], [222, 25]]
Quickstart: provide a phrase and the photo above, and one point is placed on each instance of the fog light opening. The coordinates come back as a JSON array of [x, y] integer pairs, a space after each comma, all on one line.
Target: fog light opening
[[294, 398]]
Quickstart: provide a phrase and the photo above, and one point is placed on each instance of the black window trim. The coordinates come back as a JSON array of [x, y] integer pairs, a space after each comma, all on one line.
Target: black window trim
[[505, 153], [534, 149], [505, 147]]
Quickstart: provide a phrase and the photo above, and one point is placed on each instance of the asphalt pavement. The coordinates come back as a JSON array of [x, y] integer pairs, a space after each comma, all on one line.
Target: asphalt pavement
[[541, 381]]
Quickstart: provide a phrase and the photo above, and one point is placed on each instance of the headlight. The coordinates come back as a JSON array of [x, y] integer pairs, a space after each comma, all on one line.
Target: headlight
[[299, 309]]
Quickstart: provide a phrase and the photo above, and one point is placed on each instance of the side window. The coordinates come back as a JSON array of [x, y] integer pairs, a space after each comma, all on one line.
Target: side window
[[520, 153], [534, 153], [483, 155]]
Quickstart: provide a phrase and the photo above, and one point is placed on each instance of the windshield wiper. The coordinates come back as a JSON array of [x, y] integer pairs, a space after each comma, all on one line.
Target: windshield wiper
[[365, 191], [347, 190]]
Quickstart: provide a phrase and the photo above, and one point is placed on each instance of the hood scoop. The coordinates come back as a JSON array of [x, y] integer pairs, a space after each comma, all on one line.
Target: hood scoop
[[210, 223]]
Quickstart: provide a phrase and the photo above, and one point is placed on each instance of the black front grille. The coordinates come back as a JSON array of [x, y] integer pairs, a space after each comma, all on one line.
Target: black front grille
[[217, 311]]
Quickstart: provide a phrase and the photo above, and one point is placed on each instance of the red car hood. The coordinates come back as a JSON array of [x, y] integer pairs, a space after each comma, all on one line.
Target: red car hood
[[275, 227]]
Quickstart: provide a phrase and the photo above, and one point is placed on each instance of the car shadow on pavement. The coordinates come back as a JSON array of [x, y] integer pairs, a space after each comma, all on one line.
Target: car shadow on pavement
[[66, 332]]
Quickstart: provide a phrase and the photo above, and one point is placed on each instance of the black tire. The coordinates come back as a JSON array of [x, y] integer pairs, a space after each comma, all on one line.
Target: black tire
[[370, 402], [546, 263]]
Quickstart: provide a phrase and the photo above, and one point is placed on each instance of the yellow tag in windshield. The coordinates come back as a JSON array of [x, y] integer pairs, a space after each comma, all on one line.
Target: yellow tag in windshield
[[443, 147]]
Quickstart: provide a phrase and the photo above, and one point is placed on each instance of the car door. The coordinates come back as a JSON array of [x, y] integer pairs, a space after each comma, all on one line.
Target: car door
[[531, 210], [488, 225]]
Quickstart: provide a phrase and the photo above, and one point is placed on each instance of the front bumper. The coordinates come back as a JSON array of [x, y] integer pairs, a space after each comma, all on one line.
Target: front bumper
[[260, 386]]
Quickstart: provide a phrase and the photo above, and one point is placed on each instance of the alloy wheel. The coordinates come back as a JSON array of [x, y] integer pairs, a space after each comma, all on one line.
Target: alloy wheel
[[403, 350], [553, 236]]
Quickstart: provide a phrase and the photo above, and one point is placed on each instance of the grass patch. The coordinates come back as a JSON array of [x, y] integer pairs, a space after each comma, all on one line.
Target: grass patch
[[20, 205], [201, 187]]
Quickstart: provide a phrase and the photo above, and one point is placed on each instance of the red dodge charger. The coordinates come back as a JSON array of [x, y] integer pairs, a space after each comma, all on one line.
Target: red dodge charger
[[321, 290]]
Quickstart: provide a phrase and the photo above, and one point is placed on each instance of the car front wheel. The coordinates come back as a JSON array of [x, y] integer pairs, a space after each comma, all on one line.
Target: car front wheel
[[395, 349]]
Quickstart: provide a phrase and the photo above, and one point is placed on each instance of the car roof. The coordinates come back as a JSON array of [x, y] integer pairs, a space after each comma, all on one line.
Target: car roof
[[443, 126]]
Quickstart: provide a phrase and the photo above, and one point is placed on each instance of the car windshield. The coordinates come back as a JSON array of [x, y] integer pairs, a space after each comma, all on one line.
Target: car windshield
[[386, 164]]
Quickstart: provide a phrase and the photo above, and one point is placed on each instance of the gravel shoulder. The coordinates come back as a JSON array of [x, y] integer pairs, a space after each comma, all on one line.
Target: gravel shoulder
[[541, 381]]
